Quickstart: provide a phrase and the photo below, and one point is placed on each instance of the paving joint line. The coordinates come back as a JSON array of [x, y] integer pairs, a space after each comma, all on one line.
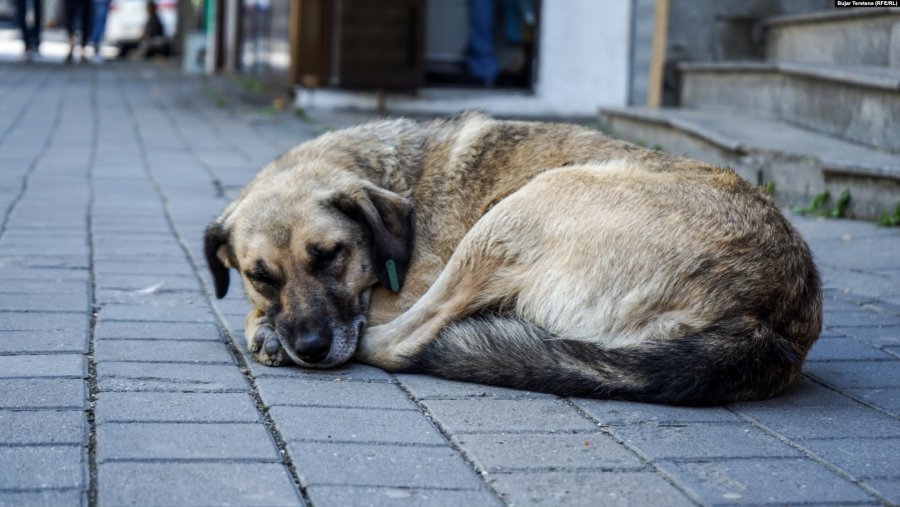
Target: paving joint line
[[481, 473], [33, 166], [92, 381], [228, 340], [845, 394], [636, 452], [812, 455]]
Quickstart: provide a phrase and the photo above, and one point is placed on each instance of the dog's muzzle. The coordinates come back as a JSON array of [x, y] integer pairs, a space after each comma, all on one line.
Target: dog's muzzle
[[315, 350]]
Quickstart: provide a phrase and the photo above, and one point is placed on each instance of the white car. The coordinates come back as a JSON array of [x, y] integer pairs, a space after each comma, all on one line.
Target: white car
[[126, 19]]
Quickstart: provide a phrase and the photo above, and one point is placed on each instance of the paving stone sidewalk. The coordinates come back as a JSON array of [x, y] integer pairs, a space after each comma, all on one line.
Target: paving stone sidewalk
[[123, 382]]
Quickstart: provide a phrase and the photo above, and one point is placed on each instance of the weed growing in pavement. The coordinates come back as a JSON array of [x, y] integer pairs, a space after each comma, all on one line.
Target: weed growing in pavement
[[888, 219], [819, 206]]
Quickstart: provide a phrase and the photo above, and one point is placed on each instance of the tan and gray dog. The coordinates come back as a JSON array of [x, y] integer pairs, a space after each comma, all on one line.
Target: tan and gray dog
[[533, 255]]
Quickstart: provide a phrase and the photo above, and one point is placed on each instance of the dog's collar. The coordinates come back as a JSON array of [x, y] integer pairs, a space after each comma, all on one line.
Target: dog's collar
[[392, 275]]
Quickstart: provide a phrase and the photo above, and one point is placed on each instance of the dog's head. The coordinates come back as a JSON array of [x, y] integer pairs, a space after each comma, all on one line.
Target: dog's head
[[310, 249]]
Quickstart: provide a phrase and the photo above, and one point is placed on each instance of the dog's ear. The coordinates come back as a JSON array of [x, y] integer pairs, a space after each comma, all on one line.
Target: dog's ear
[[215, 241], [390, 221]]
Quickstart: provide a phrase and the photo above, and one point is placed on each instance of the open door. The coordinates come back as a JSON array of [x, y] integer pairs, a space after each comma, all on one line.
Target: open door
[[362, 44]]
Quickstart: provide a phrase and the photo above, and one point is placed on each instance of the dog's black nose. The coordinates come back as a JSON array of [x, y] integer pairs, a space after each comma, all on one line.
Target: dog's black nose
[[312, 347]]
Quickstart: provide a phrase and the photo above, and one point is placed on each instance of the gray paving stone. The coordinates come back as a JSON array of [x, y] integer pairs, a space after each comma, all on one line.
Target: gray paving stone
[[44, 287], [504, 452], [43, 393], [468, 416], [157, 330], [43, 321], [886, 335], [51, 274], [860, 457], [336, 393], [859, 421], [352, 371], [701, 440], [885, 399], [48, 498], [757, 481], [857, 374], [47, 261], [613, 412], [170, 377], [21, 342], [183, 441], [245, 484], [42, 427], [44, 467], [837, 349], [155, 313], [588, 489], [48, 365], [804, 393], [143, 282], [381, 466], [427, 387], [175, 407], [162, 351], [163, 297], [342, 496], [145, 268], [355, 425], [44, 302]]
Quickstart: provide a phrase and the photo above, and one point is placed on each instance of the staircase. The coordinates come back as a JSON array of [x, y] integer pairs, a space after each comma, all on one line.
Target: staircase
[[822, 112]]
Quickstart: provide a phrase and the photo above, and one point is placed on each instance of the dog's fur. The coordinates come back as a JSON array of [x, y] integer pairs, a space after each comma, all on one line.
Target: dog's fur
[[532, 255]]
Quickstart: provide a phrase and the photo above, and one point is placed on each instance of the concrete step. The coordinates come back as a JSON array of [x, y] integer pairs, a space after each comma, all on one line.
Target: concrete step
[[850, 36], [801, 163], [860, 103]]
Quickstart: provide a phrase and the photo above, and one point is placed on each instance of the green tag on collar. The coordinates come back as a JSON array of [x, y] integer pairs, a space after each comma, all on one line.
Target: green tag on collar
[[392, 275]]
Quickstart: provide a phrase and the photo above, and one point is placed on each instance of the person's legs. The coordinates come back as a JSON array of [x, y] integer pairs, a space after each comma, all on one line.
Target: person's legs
[[21, 20], [38, 24], [100, 9], [480, 59], [86, 21]]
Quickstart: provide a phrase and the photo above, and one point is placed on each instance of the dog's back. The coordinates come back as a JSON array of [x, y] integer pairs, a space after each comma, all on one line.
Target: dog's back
[[676, 283]]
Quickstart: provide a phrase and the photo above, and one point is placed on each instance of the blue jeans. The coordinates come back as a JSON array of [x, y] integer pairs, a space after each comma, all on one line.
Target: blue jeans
[[101, 7], [480, 60], [31, 35]]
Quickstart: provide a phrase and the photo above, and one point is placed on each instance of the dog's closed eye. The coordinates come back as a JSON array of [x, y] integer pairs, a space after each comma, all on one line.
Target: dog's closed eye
[[260, 275], [324, 257]]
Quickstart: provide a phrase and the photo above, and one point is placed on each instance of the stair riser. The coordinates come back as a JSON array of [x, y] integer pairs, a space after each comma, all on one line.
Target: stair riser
[[857, 41], [861, 114], [797, 179]]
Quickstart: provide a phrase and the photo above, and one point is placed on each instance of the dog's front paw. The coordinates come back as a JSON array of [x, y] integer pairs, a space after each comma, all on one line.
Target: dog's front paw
[[266, 348]]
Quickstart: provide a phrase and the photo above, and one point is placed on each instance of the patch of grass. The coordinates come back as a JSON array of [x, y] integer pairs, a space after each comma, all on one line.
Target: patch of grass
[[253, 85], [819, 206], [769, 188], [267, 111], [215, 95], [888, 219]]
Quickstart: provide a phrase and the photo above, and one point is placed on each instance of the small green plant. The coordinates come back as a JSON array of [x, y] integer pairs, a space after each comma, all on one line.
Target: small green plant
[[253, 85], [818, 206], [301, 114], [888, 219], [769, 188], [267, 111]]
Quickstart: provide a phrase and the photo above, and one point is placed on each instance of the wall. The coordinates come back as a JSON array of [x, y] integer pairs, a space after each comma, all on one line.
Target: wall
[[583, 54]]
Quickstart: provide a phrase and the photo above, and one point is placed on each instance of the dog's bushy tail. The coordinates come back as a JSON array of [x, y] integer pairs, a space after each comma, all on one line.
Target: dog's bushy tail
[[710, 367]]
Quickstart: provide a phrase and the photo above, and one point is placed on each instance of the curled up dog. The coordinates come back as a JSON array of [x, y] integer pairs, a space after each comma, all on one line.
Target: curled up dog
[[531, 255]]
